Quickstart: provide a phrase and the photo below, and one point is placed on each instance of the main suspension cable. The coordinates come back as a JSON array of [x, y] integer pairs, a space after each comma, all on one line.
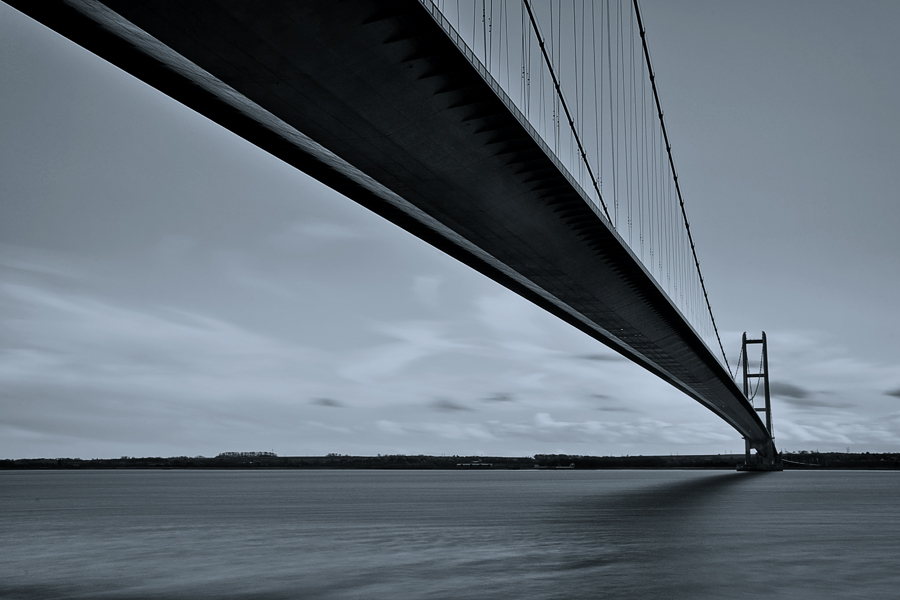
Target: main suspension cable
[[565, 107], [662, 124]]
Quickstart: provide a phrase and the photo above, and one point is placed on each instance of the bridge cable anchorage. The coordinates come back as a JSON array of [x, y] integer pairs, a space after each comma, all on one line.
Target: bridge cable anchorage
[[665, 133], [565, 107]]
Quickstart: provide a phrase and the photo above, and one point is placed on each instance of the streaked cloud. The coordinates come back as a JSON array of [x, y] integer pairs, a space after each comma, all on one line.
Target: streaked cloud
[[507, 314], [788, 390], [414, 340], [427, 291], [313, 231], [41, 261], [602, 357], [447, 405], [329, 402], [500, 397], [819, 401]]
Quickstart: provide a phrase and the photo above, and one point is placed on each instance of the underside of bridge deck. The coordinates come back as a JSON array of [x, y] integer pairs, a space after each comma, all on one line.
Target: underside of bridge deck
[[374, 100]]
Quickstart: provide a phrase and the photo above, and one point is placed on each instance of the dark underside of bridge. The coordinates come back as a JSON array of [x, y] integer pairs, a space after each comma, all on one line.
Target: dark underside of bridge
[[374, 100]]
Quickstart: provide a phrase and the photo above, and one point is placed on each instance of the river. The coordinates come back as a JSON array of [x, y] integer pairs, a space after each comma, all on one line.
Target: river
[[362, 534]]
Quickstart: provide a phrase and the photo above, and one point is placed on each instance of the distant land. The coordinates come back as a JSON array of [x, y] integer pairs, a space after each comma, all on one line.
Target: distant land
[[269, 460]]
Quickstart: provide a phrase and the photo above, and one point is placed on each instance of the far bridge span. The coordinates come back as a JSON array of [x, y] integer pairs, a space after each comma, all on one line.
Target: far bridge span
[[494, 136]]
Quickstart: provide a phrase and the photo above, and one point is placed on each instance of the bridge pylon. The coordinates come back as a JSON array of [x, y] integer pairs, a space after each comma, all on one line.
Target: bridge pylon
[[766, 457]]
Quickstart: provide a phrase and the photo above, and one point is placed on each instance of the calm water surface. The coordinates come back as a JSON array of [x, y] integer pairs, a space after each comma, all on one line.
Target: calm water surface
[[449, 534]]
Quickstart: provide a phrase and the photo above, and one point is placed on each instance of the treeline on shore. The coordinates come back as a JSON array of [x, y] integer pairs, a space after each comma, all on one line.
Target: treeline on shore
[[268, 460]]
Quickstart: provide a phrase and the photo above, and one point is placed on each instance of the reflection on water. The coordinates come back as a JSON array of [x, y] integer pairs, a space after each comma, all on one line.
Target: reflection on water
[[448, 534]]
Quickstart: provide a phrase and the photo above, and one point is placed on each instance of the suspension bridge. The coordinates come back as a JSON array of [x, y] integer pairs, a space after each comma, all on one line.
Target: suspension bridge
[[526, 139]]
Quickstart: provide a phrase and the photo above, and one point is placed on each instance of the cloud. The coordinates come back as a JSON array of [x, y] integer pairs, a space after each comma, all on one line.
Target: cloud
[[313, 230], [545, 428], [601, 357], [415, 340], [818, 402], [821, 432], [795, 395], [174, 247], [426, 290], [611, 404], [787, 390], [43, 262], [508, 314], [447, 405], [326, 427], [78, 366], [798, 396], [894, 393], [453, 431], [327, 402], [542, 428]]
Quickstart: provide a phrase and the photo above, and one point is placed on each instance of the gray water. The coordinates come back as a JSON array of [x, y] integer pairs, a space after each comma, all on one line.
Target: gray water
[[449, 534]]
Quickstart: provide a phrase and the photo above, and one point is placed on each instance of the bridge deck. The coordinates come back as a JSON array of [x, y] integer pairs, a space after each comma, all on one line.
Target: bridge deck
[[374, 100]]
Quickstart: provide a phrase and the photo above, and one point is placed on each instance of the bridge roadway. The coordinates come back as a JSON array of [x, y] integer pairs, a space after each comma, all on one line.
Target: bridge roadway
[[376, 101]]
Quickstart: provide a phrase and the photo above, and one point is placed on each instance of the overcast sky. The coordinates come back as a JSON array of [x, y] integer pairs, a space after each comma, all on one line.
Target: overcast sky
[[168, 289]]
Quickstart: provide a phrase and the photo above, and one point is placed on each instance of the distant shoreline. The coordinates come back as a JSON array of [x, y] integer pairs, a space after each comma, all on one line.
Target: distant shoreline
[[253, 460]]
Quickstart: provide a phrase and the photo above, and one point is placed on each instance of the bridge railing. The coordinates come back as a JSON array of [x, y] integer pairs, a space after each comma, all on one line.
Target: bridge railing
[[576, 76]]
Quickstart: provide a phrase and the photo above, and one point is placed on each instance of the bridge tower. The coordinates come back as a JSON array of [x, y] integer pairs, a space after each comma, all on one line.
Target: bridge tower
[[766, 457]]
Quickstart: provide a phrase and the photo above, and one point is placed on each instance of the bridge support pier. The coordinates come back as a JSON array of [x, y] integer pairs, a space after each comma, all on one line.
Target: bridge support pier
[[766, 457]]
